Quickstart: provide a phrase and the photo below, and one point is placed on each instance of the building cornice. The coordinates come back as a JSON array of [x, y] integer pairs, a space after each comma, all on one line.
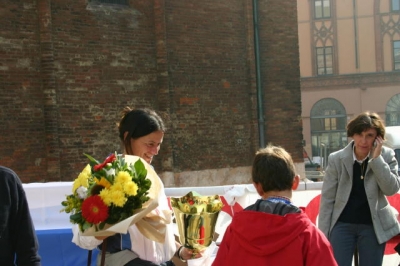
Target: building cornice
[[350, 81]]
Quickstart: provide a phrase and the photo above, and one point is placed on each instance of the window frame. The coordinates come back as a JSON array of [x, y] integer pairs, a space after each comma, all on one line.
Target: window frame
[[392, 4], [327, 109], [324, 54], [396, 49], [322, 9], [392, 112]]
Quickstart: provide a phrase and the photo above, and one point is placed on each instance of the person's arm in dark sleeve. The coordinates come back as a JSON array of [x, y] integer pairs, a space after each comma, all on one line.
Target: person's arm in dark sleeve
[[25, 239]]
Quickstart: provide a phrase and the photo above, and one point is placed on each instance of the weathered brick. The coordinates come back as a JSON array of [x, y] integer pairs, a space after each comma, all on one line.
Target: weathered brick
[[68, 68]]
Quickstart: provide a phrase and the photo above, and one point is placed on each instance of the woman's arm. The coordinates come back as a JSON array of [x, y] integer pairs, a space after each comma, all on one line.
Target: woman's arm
[[384, 168], [328, 195]]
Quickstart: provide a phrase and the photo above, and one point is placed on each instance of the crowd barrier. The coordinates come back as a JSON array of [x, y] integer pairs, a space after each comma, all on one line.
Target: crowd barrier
[[54, 232]]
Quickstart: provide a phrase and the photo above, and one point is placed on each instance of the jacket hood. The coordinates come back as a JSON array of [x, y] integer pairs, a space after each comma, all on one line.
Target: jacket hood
[[263, 234]]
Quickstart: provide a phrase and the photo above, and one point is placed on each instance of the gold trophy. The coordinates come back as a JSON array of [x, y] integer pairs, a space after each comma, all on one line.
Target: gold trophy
[[196, 217]]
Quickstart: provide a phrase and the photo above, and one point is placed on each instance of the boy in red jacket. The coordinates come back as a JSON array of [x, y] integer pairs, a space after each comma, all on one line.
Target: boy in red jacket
[[273, 231]]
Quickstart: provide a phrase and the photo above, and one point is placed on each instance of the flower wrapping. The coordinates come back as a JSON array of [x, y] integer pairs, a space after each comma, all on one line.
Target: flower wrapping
[[109, 197]]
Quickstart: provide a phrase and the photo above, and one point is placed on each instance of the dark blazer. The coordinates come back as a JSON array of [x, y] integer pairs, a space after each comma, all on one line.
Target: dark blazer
[[380, 180], [18, 241]]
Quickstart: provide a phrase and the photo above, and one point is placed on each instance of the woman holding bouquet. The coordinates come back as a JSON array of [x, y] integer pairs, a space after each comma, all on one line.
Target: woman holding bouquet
[[141, 132]]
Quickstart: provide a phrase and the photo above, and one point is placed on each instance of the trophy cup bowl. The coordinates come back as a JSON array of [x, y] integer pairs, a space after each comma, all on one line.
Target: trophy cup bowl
[[196, 217], [196, 230]]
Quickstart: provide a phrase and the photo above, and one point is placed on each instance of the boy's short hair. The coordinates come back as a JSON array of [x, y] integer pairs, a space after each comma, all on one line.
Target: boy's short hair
[[364, 121], [273, 168]]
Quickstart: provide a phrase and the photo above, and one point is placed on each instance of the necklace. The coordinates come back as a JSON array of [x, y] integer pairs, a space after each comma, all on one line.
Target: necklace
[[277, 199], [363, 169]]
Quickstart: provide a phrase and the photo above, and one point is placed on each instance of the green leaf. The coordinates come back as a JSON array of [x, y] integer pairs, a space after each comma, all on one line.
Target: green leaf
[[140, 168], [76, 218], [86, 225], [91, 159], [101, 225]]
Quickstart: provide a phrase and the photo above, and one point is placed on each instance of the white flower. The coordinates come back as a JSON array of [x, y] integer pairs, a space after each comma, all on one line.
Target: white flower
[[110, 172], [81, 192]]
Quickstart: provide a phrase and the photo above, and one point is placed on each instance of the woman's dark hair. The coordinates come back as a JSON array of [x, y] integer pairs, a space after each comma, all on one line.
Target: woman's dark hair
[[273, 168], [138, 123], [364, 121]]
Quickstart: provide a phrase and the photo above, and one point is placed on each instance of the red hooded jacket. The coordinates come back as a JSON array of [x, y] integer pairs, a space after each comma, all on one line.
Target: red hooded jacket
[[259, 238]]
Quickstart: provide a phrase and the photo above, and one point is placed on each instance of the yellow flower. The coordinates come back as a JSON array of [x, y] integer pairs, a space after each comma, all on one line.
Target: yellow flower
[[106, 196], [117, 187], [122, 177], [131, 188], [82, 179], [87, 170], [118, 198], [103, 182]]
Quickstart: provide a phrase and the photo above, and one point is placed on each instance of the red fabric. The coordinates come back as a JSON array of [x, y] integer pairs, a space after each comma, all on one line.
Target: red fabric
[[312, 209], [228, 209], [392, 243], [258, 238]]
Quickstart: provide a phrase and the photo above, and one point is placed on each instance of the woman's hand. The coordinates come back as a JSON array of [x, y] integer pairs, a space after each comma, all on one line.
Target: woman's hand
[[188, 254], [377, 147]]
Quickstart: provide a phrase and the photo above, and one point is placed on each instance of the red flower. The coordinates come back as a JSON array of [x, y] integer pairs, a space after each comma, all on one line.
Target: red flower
[[109, 159], [94, 210]]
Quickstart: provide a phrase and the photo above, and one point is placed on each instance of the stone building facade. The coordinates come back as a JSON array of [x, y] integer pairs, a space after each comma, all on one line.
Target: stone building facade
[[68, 67], [350, 63]]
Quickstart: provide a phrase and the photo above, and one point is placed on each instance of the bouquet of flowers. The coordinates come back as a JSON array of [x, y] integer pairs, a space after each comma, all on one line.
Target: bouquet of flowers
[[196, 217], [114, 192]]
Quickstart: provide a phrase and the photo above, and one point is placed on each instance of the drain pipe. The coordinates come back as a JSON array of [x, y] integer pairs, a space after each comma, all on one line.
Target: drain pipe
[[260, 110]]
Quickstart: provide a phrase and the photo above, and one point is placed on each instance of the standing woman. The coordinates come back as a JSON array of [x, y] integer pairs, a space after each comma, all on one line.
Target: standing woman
[[141, 132], [354, 211]]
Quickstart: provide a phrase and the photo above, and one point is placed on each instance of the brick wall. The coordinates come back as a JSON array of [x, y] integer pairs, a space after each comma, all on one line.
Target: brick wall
[[67, 68], [281, 72]]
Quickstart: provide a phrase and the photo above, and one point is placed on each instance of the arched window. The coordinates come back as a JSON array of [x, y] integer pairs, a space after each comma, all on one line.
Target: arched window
[[328, 127], [393, 111]]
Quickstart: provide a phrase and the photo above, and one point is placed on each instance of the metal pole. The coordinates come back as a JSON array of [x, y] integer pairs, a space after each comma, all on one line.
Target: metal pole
[[321, 155], [103, 252], [260, 110]]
